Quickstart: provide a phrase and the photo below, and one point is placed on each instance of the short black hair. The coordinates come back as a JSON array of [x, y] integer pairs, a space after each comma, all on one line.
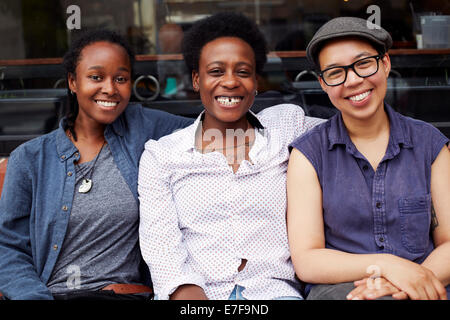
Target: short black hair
[[70, 61], [85, 38], [224, 24]]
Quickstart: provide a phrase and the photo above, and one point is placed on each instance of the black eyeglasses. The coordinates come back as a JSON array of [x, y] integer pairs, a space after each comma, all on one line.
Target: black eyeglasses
[[364, 68]]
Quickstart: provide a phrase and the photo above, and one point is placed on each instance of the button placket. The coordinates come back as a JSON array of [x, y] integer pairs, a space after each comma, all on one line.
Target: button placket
[[379, 207]]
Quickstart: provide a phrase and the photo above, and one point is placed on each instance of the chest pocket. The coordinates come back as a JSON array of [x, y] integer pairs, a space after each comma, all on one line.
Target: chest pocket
[[415, 216]]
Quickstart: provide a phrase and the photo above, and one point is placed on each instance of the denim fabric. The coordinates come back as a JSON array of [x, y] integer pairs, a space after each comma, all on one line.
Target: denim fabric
[[382, 211], [38, 191], [236, 294]]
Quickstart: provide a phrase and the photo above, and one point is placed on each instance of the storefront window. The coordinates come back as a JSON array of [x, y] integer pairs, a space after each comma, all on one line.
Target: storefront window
[[35, 34]]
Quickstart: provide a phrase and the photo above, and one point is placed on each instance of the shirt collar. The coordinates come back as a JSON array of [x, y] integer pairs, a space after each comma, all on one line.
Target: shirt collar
[[66, 148], [398, 131], [188, 140]]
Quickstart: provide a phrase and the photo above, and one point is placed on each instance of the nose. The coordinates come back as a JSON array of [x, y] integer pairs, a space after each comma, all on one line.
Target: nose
[[352, 78], [109, 87], [229, 81]]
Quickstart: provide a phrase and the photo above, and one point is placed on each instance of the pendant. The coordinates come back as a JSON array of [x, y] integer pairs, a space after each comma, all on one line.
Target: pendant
[[86, 186]]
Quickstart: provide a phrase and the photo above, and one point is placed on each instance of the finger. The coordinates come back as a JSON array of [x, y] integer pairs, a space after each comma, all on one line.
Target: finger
[[360, 282], [440, 289], [421, 294], [400, 295], [386, 289], [355, 293], [412, 293]]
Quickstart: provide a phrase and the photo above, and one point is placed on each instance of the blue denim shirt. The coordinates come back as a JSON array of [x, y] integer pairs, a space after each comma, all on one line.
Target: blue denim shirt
[[38, 191], [382, 211]]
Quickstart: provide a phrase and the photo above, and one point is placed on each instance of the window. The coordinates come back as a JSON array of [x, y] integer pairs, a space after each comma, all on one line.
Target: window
[[35, 35]]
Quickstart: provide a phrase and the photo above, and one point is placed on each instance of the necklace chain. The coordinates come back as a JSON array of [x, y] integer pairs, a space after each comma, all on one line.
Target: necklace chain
[[86, 184]]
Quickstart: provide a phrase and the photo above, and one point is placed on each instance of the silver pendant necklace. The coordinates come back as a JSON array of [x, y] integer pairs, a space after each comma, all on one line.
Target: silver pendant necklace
[[86, 182]]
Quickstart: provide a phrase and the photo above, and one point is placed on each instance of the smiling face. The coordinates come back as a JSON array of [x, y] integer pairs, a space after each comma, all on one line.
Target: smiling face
[[101, 82], [226, 80], [357, 98]]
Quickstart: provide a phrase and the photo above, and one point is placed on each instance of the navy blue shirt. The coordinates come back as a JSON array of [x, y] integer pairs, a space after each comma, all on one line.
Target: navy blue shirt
[[382, 211], [37, 196]]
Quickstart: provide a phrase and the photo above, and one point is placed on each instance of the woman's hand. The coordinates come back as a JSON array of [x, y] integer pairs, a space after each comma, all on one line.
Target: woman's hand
[[417, 281], [371, 289]]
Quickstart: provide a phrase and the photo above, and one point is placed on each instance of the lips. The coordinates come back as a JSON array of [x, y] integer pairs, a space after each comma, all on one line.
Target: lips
[[229, 101]]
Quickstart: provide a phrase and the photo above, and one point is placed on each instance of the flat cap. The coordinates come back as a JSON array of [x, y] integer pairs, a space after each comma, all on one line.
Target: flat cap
[[347, 26]]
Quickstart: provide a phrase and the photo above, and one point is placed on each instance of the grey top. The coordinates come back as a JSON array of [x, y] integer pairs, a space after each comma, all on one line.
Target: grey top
[[101, 245]]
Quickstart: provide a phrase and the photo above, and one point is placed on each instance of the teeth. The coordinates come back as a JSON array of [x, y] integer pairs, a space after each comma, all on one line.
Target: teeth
[[228, 101], [107, 103], [360, 97]]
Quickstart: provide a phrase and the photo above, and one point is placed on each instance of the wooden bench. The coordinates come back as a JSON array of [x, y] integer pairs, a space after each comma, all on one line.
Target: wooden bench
[[3, 162]]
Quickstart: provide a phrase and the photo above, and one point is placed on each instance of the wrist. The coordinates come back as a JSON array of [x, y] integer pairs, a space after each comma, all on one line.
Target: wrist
[[383, 262]]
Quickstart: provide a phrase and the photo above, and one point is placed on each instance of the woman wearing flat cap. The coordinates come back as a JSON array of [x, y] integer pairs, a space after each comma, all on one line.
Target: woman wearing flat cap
[[368, 206]]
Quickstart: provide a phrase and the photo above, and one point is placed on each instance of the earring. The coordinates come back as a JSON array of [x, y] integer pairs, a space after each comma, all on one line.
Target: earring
[[71, 92], [256, 92]]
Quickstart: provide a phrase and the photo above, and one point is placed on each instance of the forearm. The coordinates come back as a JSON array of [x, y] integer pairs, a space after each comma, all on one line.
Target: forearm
[[438, 262], [333, 266], [188, 292]]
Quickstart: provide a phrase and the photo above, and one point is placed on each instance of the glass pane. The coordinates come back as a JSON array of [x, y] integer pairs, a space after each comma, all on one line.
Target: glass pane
[[35, 34]]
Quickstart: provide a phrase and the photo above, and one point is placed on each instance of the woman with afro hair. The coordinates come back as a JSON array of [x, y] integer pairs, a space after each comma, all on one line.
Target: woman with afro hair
[[213, 195]]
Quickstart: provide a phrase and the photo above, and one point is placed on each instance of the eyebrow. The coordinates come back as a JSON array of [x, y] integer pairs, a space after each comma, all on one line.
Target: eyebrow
[[222, 63], [100, 67], [358, 56]]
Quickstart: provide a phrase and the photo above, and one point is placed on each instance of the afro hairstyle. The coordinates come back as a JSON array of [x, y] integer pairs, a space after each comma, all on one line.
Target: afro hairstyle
[[225, 24]]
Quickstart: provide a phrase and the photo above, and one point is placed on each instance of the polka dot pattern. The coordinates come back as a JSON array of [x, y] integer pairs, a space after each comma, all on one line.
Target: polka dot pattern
[[199, 220]]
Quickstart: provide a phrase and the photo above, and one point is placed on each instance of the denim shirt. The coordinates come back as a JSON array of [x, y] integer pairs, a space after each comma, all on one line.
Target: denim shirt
[[38, 192], [382, 211]]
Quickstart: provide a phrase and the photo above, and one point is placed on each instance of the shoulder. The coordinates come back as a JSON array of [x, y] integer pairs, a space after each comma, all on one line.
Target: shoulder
[[137, 110], [316, 136], [36, 146], [281, 111], [288, 116], [167, 147], [149, 123], [29, 154], [420, 132]]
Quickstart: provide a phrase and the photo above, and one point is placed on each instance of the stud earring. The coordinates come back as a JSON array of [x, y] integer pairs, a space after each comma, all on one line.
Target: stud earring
[[256, 92]]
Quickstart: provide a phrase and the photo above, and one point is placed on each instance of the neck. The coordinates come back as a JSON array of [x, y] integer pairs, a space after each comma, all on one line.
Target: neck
[[367, 129], [89, 132], [222, 136], [212, 123]]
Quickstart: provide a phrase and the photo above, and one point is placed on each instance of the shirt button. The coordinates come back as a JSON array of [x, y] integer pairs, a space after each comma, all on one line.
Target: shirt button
[[381, 239], [69, 173], [55, 247], [64, 208], [63, 157], [378, 205], [365, 167]]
